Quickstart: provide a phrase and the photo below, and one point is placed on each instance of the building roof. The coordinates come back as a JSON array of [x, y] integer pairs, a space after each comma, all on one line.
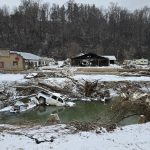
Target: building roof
[[27, 56], [110, 57], [80, 54], [89, 56]]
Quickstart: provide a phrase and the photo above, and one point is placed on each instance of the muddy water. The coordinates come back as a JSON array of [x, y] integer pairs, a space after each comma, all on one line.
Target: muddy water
[[83, 111]]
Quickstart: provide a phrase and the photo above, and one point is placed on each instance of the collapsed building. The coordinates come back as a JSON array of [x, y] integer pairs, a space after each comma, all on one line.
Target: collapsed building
[[91, 59]]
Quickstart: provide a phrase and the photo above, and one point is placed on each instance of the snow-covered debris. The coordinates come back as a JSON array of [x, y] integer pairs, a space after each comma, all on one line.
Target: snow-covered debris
[[111, 84], [6, 109], [70, 104], [60, 63], [19, 106], [30, 75], [137, 96]]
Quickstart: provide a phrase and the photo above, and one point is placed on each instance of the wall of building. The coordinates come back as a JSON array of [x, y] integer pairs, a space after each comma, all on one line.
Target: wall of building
[[11, 62]]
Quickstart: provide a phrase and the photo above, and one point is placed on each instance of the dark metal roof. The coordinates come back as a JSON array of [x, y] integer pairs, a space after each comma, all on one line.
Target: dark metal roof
[[90, 56]]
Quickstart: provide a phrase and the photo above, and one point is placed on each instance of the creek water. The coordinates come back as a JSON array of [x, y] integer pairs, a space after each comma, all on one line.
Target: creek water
[[83, 111]]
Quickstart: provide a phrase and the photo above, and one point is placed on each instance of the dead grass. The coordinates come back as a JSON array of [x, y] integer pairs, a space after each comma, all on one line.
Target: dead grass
[[96, 69], [106, 69]]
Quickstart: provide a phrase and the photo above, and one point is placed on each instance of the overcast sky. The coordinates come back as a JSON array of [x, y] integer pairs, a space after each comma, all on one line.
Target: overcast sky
[[130, 4]]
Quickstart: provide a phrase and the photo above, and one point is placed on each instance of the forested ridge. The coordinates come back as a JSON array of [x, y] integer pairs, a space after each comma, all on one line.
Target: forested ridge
[[64, 31]]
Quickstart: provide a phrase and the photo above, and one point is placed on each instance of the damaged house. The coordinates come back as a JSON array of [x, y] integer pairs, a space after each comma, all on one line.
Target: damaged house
[[30, 60], [18, 61], [91, 59], [11, 61]]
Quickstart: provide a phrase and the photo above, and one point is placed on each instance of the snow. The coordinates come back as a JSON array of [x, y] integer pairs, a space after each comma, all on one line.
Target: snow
[[61, 82], [22, 109], [49, 68], [113, 93], [53, 66], [6, 109], [12, 78], [60, 63], [27, 56], [31, 75], [58, 82], [70, 104], [111, 78], [133, 137], [110, 57]]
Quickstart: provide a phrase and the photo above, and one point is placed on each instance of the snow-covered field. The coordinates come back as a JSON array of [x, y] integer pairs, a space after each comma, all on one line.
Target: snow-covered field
[[20, 78], [111, 78], [12, 78], [133, 137]]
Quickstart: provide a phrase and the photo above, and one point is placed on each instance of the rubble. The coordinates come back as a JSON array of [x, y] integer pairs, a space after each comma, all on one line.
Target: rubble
[[132, 104], [89, 126], [74, 88], [34, 75]]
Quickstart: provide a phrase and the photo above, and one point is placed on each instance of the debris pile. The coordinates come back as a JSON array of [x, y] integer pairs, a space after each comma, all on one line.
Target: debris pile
[[89, 126], [132, 104]]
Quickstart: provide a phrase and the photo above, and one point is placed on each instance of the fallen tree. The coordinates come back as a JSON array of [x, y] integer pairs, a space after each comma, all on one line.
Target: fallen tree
[[127, 107]]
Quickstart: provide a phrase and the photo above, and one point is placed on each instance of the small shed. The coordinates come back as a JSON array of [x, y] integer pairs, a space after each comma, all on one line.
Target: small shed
[[89, 59]]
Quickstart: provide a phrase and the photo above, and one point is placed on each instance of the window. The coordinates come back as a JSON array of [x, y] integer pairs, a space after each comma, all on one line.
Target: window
[[54, 97], [1, 64], [15, 63], [60, 100], [35, 64], [47, 94]]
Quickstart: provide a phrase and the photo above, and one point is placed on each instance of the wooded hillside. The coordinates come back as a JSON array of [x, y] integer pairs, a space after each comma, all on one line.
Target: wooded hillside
[[64, 31]]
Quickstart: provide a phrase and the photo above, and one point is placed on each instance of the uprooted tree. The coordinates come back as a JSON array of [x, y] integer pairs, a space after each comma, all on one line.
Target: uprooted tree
[[126, 108]]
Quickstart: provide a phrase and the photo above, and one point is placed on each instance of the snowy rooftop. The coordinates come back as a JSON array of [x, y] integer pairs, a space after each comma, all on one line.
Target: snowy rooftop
[[27, 56], [110, 57], [81, 54]]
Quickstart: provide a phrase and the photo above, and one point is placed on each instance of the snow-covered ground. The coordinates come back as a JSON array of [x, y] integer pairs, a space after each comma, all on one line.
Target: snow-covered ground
[[20, 78], [111, 78], [61, 81], [133, 137], [12, 77]]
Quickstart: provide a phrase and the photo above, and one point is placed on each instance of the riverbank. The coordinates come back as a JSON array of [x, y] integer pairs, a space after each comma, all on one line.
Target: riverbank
[[58, 137]]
